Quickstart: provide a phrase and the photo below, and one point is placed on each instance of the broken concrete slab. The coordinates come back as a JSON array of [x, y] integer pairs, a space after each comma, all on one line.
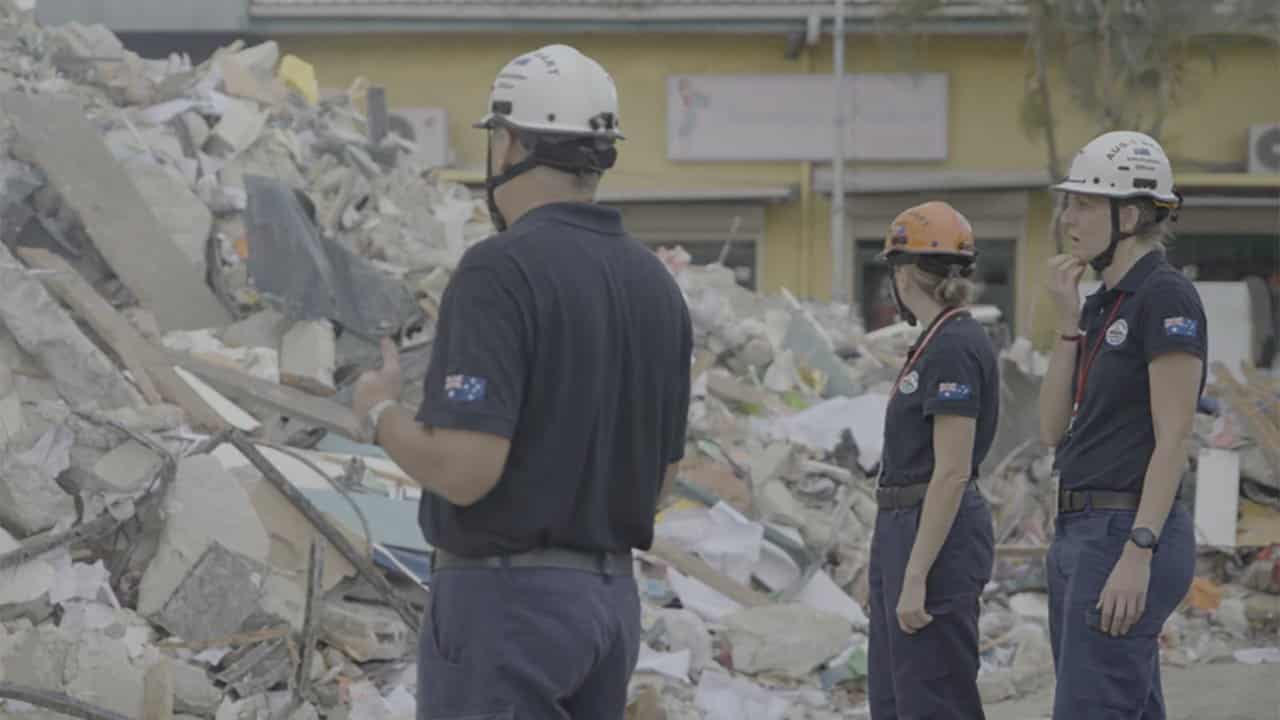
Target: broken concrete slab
[[13, 427], [30, 499], [26, 582], [78, 164], [82, 374], [786, 638], [290, 534], [184, 216], [307, 357], [365, 632], [213, 601], [205, 504]]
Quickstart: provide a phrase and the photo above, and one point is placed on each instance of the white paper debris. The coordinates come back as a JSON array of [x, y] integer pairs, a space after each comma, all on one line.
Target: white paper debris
[[1258, 656], [698, 597], [671, 664], [722, 536], [726, 698]]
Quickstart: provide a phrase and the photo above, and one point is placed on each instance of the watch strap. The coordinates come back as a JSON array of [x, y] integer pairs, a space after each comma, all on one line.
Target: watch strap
[[375, 414]]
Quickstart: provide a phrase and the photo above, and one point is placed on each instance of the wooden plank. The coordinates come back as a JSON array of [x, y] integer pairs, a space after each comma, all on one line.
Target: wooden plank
[[697, 568], [287, 401], [157, 691], [124, 229], [72, 289], [156, 379]]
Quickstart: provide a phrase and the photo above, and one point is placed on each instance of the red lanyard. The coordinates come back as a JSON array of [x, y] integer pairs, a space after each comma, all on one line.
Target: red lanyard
[[1082, 373], [920, 348]]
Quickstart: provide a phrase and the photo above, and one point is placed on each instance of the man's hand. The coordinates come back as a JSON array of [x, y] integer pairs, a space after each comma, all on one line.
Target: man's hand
[[911, 614], [374, 386], [1125, 595]]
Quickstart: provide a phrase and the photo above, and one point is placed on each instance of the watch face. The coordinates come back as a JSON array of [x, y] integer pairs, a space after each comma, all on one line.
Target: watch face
[[1143, 537]]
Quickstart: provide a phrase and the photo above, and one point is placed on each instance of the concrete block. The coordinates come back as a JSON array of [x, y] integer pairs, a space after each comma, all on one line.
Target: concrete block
[[193, 690], [365, 632], [307, 357], [205, 504], [239, 127], [789, 639], [13, 428], [222, 590], [126, 469], [264, 328]]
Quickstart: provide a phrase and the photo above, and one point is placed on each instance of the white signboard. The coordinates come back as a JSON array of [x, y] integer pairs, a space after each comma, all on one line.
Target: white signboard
[[791, 117]]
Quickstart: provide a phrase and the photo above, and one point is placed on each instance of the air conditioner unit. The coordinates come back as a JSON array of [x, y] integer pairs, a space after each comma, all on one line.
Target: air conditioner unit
[[428, 128], [1264, 148]]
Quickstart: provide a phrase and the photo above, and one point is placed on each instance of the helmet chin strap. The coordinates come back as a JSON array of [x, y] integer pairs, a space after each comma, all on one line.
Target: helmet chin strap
[[1103, 259], [492, 182], [905, 312]]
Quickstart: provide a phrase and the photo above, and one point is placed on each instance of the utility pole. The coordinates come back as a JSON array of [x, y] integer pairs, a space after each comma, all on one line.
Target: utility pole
[[839, 243]]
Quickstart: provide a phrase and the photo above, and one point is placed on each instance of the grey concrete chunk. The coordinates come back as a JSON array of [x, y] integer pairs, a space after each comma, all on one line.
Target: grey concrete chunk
[[217, 596], [365, 632], [30, 499], [82, 374], [126, 469], [193, 690], [790, 639], [205, 504]]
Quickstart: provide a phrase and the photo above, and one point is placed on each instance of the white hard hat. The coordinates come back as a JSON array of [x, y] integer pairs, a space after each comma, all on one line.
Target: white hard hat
[[1121, 164], [555, 90]]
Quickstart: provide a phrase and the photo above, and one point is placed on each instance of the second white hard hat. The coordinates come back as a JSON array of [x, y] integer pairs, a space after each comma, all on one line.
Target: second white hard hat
[[554, 90]]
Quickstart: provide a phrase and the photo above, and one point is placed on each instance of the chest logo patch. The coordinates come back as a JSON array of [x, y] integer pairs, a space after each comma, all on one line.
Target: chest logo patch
[[910, 383], [1117, 333]]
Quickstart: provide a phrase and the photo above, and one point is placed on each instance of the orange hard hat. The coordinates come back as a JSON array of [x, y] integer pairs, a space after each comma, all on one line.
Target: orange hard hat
[[933, 228]]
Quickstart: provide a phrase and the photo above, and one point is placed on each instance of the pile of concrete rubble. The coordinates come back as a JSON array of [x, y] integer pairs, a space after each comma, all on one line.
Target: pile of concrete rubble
[[195, 263]]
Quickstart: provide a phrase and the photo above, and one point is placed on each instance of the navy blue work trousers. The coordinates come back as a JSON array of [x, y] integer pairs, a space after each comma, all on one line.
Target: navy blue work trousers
[[1101, 677], [932, 674], [527, 644]]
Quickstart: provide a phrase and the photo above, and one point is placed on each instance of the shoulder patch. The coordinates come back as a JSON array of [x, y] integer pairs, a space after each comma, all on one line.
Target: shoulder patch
[[1180, 326], [954, 391], [464, 388]]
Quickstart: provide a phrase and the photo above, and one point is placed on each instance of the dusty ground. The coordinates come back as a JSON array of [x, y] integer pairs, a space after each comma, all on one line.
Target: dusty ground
[[1220, 691]]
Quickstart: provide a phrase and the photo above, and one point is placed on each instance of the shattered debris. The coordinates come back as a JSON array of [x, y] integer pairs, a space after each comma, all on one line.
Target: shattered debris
[[187, 250]]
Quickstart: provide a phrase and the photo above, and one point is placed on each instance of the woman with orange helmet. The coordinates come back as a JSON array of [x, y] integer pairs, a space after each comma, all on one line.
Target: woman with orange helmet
[[933, 545]]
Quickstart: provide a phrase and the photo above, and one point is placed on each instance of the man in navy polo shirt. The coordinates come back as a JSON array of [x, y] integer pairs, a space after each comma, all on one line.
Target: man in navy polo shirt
[[554, 417]]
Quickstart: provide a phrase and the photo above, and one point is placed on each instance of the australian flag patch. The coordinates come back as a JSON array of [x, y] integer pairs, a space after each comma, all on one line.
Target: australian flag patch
[[464, 388], [1184, 327], [953, 391]]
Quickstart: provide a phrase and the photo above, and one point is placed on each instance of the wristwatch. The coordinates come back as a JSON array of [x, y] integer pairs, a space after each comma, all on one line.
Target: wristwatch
[[375, 414], [1143, 538]]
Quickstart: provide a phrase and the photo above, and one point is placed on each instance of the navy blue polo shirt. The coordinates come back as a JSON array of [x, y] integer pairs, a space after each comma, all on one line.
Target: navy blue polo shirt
[[955, 375], [570, 338], [1154, 309]]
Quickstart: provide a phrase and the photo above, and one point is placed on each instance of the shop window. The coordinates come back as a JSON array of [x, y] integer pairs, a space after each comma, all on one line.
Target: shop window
[[1227, 258], [995, 274], [741, 257]]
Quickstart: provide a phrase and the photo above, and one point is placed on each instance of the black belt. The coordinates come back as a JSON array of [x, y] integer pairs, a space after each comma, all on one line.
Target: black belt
[[897, 497], [1078, 500], [605, 563]]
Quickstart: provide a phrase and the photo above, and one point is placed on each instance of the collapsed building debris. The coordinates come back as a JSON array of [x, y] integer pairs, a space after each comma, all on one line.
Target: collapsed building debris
[[190, 523]]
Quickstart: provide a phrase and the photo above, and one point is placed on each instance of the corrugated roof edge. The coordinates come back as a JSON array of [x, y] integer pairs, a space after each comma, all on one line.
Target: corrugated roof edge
[[1011, 15]]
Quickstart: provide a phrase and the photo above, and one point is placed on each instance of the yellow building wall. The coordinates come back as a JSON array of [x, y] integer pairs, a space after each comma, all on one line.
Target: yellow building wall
[[986, 79]]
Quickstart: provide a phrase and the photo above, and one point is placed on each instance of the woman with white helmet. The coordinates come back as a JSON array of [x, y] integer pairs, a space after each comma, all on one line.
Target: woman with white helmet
[[1118, 403]]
